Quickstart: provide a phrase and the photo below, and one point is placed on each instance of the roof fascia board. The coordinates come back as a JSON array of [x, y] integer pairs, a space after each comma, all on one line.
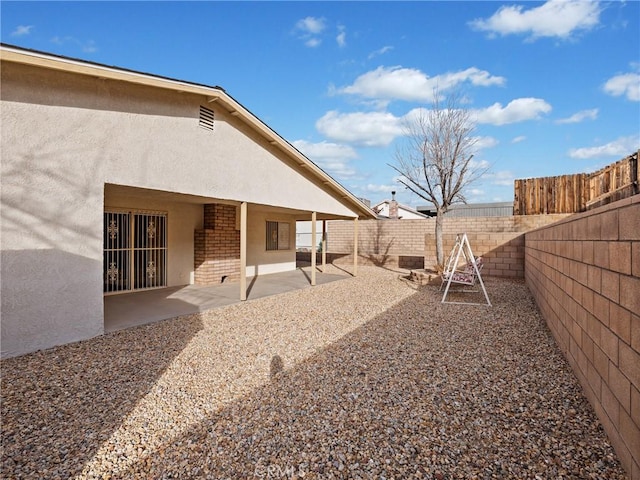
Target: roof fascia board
[[101, 71]]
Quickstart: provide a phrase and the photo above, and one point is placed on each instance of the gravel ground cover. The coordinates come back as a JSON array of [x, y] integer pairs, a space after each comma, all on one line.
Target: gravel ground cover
[[367, 377]]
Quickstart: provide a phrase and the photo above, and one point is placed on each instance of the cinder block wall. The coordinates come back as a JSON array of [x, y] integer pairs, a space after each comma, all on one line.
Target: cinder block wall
[[411, 243], [385, 242], [393, 237], [499, 240], [217, 246], [584, 273], [502, 252]]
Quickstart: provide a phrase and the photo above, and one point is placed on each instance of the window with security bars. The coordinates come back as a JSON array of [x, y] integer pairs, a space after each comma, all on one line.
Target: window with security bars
[[278, 235], [135, 251]]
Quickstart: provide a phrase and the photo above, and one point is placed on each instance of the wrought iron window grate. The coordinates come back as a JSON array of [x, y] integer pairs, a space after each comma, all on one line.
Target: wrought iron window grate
[[135, 251]]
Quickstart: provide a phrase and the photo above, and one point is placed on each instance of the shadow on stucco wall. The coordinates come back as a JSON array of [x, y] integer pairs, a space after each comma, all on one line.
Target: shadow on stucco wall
[[48, 297]]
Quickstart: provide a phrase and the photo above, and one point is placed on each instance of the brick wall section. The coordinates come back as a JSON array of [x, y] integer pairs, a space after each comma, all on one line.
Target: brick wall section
[[411, 243], [217, 246], [584, 273]]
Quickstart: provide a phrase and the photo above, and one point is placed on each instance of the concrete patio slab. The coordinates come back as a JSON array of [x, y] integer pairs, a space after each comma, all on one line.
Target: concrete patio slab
[[140, 308]]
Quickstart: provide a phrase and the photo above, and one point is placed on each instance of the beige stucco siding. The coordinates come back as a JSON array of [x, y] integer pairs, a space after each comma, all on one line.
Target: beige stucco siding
[[64, 136], [259, 260], [133, 135], [51, 264]]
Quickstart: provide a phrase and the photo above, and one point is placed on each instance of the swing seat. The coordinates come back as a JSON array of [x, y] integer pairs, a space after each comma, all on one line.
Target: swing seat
[[466, 276]]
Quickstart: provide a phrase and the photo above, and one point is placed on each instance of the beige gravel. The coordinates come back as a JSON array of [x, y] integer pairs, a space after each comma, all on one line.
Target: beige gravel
[[367, 377]]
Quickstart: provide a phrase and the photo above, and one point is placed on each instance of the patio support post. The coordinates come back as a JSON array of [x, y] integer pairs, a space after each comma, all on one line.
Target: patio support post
[[355, 246], [324, 246], [314, 216], [243, 251]]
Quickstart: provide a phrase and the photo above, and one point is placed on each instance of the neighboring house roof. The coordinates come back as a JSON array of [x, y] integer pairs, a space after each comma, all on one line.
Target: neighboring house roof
[[213, 94], [382, 209], [494, 209]]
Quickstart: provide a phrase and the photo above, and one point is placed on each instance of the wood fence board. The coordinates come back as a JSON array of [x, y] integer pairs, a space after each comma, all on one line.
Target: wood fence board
[[577, 192]]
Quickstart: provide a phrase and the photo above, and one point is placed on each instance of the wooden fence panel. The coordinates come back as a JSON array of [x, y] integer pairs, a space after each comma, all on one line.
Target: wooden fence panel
[[545, 195], [614, 182], [578, 192]]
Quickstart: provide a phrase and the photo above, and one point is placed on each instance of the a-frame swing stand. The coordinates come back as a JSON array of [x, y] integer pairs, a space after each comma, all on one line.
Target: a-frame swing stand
[[467, 276]]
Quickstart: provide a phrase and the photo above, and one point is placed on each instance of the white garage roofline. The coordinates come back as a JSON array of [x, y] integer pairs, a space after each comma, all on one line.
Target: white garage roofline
[[216, 94]]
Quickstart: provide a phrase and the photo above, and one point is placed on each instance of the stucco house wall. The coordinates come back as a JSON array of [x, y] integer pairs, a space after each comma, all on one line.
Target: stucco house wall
[[73, 143], [259, 260], [100, 131]]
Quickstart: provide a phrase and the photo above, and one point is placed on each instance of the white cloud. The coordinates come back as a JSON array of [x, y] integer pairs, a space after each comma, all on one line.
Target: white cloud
[[380, 128], [88, 47], [313, 42], [380, 51], [394, 82], [555, 18], [325, 150], [308, 29], [410, 84], [518, 139], [517, 110], [618, 148], [341, 39], [371, 188], [22, 30], [477, 77], [371, 129], [479, 164], [311, 25], [414, 115], [332, 157], [475, 192], [485, 142], [627, 84], [503, 177], [580, 116]]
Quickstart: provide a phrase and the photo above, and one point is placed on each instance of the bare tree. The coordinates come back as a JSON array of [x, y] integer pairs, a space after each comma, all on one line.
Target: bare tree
[[435, 162]]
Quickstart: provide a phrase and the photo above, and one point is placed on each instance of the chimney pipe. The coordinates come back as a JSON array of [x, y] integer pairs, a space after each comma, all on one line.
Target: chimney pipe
[[393, 206]]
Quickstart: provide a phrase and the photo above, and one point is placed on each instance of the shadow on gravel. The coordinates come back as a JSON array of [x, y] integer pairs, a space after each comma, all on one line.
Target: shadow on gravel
[[422, 391], [54, 421]]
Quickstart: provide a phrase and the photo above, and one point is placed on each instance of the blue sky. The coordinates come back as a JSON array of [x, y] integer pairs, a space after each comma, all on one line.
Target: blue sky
[[554, 87]]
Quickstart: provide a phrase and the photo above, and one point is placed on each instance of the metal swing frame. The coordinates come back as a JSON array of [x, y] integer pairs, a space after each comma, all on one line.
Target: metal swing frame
[[468, 277]]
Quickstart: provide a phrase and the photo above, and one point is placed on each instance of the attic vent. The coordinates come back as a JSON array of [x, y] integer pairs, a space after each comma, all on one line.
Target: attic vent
[[206, 118]]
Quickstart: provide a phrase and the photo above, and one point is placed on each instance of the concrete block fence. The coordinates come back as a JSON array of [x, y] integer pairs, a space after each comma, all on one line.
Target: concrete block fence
[[584, 273], [411, 243]]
